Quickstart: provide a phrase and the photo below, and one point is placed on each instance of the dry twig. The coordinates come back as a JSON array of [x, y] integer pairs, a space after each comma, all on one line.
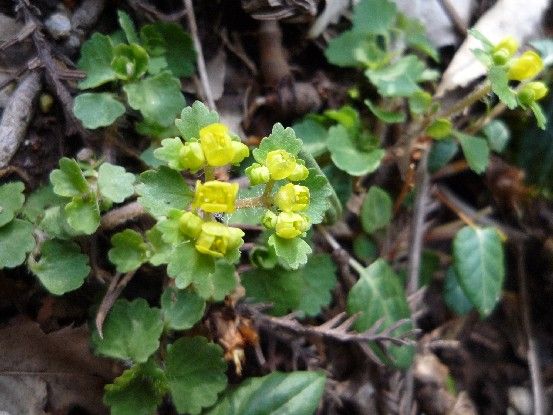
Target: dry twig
[[115, 288]]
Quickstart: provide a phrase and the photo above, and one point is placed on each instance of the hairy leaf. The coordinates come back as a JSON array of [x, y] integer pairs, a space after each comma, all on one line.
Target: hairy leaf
[[181, 308], [68, 180], [97, 110], [280, 138], [187, 265], [83, 214], [291, 252], [193, 118], [115, 183], [96, 56], [128, 250]]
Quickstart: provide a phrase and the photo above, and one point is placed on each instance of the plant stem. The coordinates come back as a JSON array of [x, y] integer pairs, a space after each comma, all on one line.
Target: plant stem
[[250, 202], [334, 244], [467, 101], [266, 196]]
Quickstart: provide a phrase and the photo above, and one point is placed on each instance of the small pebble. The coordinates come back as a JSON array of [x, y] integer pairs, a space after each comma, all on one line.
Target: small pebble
[[58, 25]]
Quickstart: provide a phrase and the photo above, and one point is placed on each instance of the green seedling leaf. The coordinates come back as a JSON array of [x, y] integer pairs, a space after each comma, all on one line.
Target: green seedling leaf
[[131, 331], [68, 180], [539, 115], [170, 39], [62, 267], [170, 152], [38, 201], [162, 190], [129, 251], [500, 86], [16, 240], [54, 223], [398, 79], [187, 265], [138, 391], [341, 50], [95, 61], [280, 139], [83, 214], [479, 266], [297, 393], [160, 251], [441, 153], [319, 196], [454, 296], [364, 248], [97, 110], [115, 183], [193, 119], [476, 151], [348, 117], [486, 43], [306, 289], [440, 128], [127, 25], [498, 135], [390, 117], [348, 157], [158, 98], [130, 62], [420, 102], [170, 228], [376, 211], [218, 284], [195, 372], [379, 295], [313, 135], [374, 16], [414, 33], [293, 253], [181, 308], [11, 200]]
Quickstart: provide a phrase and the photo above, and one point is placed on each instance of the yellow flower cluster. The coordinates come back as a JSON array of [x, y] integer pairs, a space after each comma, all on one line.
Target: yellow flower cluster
[[215, 196], [278, 165], [290, 200]]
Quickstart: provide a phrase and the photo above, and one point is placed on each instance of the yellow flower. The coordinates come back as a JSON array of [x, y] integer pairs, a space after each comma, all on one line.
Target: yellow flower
[[239, 151], [290, 225], [258, 174], [219, 148], [509, 44], [191, 156], [300, 172], [280, 163], [190, 224], [528, 65], [269, 220], [215, 196], [217, 239], [292, 198]]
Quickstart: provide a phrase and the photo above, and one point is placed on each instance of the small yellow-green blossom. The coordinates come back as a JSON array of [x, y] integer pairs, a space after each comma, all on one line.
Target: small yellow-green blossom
[[526, 66], [219, 148], [191, 156], [269, 220], [290, 225], [258, 174], [300, 172], [509, 44], [215, 196], [280, 163], [292, 198], [217, 239], [190, 224], [534, 90]]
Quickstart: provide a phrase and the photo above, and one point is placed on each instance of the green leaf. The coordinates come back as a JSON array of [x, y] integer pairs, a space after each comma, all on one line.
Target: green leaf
[[16, 240], [160, 251], [341, 182], [187, 265], [170, 228], [127, 25], [376, 211], [280, 138], [193, 119], [500, 86], [158, 98], [348, 117], [54, 223], [130, 62], [414, 33], [219, 284], [379, 295], [364, 248], [131, 331], [68, 180], [390, 117], [488, 46], [476, 151], [170, 152], [138, 391], [38, 201], [181, 308], [313, 135], [62, 267], [420, 102], [454, 296], [96, 56], [440, 128], [306, 289], [177, 45], [11, 200], [498, 135], [374, 16], [479, 265], [539, 115], [97, 110], [128, 251], [291, 252], [115, 183], [398, 79], [151, 129], [83, 214], [162, 190], [319, 194], [195, 371], [341, 50], [348, 157], [297, 393], [441, 153]]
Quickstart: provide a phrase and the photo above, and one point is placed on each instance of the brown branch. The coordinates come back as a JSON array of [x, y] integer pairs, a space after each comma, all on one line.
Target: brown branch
[[115, 288], [122, 214]]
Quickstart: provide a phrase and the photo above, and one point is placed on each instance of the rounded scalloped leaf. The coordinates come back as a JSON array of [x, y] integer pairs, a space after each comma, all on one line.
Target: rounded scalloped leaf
[[193, 118], [68, 180], [291, 252], [16, 240], [96, 56], [195, 371], [11, 200], [115, 183], [97, 110], [181, 308], [128, 250], [280, 139], [376, 210]]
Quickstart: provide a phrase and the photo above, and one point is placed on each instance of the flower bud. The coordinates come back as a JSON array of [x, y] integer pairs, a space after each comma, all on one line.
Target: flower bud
[[269, 220], [239, 152], [290, 225], [538, 88], [501, 57], [528, 65], [292, 198], [258, 174], [300, 172], [215, 196], [508, 45], [130, 61], [216, 144], [190, 224], [191, 156], [217, 239], [280, 164]]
